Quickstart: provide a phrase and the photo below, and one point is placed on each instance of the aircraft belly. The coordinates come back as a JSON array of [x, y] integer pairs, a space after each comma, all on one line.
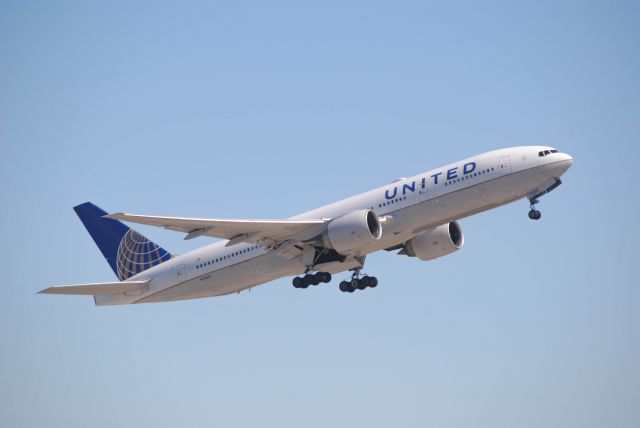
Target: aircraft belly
[[229, 280]]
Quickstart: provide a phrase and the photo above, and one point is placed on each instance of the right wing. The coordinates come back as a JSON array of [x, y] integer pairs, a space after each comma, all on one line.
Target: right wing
[[235, 230]]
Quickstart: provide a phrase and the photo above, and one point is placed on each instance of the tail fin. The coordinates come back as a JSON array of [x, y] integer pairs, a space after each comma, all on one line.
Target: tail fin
[[126, 251]]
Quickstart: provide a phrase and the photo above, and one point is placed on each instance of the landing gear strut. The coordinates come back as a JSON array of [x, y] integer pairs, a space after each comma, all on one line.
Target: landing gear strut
[[534, 214], [311, 279]]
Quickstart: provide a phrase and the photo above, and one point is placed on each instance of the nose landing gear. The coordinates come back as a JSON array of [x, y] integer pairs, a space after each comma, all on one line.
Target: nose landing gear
[[545, 188]]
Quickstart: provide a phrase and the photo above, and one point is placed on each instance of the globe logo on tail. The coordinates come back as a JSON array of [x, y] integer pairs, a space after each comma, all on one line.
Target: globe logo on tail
[[137, 254]]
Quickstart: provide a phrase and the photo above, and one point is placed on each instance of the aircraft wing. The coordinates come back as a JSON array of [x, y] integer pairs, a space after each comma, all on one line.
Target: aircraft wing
[[96, 288], [235, 230]]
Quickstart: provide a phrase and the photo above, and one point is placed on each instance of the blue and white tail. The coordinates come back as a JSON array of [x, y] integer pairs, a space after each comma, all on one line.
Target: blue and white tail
[[126, 251]]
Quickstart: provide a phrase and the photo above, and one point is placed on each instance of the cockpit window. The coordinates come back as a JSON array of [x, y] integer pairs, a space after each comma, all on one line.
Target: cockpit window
[[547, 152]]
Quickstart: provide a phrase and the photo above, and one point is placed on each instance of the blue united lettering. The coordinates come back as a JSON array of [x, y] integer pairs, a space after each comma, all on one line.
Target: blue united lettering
[[451, 174]]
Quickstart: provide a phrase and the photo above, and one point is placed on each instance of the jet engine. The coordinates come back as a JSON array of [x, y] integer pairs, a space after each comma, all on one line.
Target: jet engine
[[434, 243], [352, 232]]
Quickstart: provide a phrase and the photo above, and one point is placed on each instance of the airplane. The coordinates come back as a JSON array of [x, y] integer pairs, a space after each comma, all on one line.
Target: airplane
[[416, 216]]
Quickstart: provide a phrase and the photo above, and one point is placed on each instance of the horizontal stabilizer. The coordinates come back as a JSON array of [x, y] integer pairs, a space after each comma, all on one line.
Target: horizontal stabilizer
[[96, 288]]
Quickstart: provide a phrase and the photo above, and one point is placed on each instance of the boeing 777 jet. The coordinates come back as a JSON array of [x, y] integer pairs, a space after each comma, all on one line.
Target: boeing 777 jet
[[416, 216]]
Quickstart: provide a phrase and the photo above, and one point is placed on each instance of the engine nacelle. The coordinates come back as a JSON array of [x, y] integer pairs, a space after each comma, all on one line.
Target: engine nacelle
[[352, 232], [434, 243]]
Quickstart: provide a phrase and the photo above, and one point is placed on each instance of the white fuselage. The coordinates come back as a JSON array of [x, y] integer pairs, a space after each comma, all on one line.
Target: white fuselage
[[409, 206]]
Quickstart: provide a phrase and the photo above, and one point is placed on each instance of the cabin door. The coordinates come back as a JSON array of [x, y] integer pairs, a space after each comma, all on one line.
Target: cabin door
[[180, 273], [505, 165]]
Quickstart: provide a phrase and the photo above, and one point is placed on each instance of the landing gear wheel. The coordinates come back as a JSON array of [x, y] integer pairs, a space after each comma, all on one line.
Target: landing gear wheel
[[370, 281], [534, 214], [347, 287], [324, 277], [306, 281], [297, 282]]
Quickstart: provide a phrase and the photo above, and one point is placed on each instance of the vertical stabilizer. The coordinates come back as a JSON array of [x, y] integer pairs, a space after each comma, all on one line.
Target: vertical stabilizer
[[126, 251]]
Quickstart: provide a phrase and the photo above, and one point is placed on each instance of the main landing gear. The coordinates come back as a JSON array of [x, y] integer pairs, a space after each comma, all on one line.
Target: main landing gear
[[311, 279], [358, 283], [534, 214]]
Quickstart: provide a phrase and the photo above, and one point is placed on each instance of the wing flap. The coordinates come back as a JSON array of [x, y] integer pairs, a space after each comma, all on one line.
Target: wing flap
[[96, 288], [241, 230]]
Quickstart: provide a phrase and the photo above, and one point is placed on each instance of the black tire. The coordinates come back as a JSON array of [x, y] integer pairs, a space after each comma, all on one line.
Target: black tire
[[344, 286], [535, 215], [360, 285], [374, 282], [297, 282], [315, 279], [326, 277]]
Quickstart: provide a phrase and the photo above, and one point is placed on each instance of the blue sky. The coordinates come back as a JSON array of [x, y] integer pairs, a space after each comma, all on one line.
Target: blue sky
[[268, 109]]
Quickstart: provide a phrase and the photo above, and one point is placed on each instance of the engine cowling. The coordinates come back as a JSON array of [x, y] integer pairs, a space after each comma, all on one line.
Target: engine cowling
[[437, 242], [352, 232]]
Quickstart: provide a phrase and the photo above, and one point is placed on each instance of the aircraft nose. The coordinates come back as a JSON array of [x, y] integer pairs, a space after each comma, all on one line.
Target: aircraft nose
[[561, 165], [568, 159]]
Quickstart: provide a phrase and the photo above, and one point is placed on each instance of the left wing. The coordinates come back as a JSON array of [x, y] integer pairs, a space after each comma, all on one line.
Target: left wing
[[235, 230]]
